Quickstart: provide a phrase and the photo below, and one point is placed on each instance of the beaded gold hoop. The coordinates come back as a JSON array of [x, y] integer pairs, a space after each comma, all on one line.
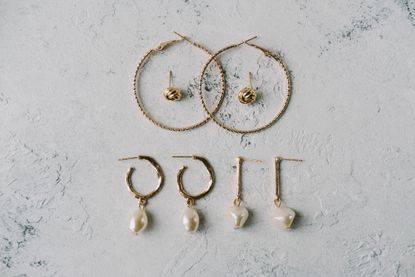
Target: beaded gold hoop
[[161, 47], [267, 53]]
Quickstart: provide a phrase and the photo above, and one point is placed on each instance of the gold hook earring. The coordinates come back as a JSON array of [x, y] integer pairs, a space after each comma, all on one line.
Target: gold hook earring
[[238, 213], [190, 218], [172, 93], [139, 220], [247, 95], [283, 216]]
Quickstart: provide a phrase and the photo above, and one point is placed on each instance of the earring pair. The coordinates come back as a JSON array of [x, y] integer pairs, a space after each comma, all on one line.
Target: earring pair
[[283, 216], [190, 218], [246, 95]]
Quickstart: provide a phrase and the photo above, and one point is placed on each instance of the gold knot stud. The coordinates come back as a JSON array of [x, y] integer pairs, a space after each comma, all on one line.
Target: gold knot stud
[[247, 95], [173, 94]]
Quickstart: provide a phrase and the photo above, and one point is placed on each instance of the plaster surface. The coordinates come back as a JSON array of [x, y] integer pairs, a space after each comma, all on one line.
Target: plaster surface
[[67, 113]]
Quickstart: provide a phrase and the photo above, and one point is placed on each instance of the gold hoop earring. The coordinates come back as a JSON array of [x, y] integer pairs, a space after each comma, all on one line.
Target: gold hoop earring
[[238, 213], [190, 218], [139, 220], [283, 216], [250, 93], [174, 93]]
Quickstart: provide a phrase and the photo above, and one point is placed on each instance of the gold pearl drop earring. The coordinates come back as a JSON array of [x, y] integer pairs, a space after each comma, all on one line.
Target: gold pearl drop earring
[[172, 93], [139, 220], [190, 217], [282, 215], [238, 213]]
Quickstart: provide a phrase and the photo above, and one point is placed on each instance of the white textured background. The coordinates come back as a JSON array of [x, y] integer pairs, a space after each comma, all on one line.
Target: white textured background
[[67, 113]]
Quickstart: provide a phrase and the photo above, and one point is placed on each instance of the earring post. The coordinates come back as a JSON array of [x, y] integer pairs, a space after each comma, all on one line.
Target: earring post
[[287, 159], [128, 158], [183, 37], [250, 160], [248, 40], [170, 78]]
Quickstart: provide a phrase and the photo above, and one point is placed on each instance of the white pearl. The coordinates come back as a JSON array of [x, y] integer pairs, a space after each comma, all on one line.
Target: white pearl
[[238, 216], [138, 221], [190, 219], [283, 217]]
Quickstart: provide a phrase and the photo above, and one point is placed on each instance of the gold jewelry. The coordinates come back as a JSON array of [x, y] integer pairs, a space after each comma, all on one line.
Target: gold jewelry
[[238, 213], [139, 220], [173, 93], [267, 53], [247, 95], [190, 218], [283, 216]]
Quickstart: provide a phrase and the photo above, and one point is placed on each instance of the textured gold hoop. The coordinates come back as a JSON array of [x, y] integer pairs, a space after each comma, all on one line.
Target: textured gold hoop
[[267, 53], [143, 198], [190, 197], [160, 48]]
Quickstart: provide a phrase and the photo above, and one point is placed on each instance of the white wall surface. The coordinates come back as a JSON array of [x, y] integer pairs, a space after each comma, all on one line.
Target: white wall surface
[[67, 113]]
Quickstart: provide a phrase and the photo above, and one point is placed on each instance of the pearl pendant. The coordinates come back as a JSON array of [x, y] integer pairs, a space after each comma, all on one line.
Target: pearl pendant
[[238, 216], [190, 219], [138, 221], [283, 217]]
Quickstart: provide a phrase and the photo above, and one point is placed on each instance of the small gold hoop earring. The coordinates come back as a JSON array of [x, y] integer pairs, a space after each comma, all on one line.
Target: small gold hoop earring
[[250, 94], [238, 213], [283, 216], [139, 220], [190, 218], [174, 93]]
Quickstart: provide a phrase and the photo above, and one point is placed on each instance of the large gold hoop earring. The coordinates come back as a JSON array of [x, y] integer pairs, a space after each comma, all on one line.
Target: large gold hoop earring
[[173, 93], [248, 95]]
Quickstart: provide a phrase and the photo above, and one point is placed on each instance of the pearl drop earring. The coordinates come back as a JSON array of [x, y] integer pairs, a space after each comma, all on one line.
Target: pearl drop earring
[[283, 216], [139, 220], [238, 213], [190, 217]]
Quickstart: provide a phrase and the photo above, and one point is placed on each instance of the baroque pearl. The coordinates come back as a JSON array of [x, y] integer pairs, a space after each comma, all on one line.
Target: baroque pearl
[[190, 219], [138, 221], [283, 217], [238, 216]]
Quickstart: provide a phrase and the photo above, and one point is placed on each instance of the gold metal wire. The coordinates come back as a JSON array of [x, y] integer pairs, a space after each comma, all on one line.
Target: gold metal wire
[[239, 161], [267, 53], [143, 198], [190, 197], [278, 160], [160, 48]]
